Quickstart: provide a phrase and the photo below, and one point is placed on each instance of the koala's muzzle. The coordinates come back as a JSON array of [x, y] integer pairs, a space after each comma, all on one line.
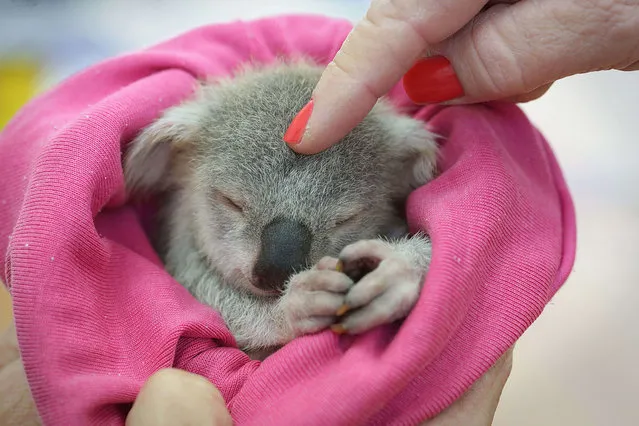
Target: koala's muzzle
[[285, 247]]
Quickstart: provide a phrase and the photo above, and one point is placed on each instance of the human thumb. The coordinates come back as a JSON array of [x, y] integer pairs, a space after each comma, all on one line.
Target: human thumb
[[516, 51], [175, 397]]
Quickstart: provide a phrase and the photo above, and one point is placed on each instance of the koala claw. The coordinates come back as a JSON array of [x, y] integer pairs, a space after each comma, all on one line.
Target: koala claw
[[386, 289]]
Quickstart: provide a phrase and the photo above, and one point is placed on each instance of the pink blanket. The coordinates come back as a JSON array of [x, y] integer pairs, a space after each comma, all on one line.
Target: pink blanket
[[96, 314]]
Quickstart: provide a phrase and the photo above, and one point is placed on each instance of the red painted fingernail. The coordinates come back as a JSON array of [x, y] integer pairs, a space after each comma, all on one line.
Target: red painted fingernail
[[297, 128], [432, 80]]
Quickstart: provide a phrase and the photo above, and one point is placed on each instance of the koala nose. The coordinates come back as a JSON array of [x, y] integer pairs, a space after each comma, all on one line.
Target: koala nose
[[284, 249]]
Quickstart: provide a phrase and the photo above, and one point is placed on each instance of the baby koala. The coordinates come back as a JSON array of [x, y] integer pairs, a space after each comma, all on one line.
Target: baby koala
[[282, 244]]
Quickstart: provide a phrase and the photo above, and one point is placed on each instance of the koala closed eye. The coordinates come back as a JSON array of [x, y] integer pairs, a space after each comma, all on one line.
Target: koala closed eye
[[228, 201], [346, 220]]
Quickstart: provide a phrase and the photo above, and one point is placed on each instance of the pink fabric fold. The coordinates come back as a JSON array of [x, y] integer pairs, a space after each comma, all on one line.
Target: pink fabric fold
[[96, 314]]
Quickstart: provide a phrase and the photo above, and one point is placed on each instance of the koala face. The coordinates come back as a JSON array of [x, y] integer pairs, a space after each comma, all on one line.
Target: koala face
[[258, 211]]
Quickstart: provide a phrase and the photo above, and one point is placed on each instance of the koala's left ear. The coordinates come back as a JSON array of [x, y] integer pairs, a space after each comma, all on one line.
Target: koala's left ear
[[149, 159], [415, 146]]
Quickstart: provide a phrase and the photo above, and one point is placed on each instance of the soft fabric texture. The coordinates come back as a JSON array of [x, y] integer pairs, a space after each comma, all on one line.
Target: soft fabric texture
[[96, 314]]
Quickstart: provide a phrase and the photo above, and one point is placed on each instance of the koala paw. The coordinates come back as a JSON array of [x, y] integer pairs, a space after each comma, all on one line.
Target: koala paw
[[313, 297], [387, 285]]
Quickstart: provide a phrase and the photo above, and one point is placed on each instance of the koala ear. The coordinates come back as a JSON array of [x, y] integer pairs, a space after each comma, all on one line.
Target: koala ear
[[147, 165], [416, 148]]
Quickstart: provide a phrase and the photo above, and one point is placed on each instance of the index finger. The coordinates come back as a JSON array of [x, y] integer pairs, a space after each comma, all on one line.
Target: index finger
[[373, 58]]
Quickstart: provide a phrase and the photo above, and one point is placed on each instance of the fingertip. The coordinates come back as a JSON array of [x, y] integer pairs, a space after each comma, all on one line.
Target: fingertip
[[177, 397], [321, 132], [310, 146], [303, 142], [339, 103], [298, 127]]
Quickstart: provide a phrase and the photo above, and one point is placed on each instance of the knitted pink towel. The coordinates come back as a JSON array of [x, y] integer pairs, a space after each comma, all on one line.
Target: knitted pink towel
[[96, 314]]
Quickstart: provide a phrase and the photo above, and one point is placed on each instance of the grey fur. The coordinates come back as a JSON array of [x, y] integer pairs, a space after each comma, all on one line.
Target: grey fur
[[227, 142]]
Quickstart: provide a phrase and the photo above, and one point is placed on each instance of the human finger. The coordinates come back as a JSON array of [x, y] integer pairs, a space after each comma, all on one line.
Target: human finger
[[175, 397], [373, 58]]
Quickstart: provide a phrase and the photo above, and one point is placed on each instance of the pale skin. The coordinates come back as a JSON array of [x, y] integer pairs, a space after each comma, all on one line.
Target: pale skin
[[177, 398], [507, 49]]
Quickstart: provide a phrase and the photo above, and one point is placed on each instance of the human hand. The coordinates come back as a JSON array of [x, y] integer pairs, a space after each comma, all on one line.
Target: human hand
[[476, 50], [170, 397]]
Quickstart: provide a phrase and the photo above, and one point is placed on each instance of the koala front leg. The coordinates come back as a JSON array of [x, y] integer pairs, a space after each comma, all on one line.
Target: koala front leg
[[389, 276], [313, 297], [376, 281]]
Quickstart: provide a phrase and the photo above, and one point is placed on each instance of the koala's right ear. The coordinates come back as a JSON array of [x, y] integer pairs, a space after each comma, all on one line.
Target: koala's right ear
[[150, 156]]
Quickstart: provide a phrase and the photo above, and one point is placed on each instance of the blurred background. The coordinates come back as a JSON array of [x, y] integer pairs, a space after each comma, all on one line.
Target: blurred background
[[579, 363]]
